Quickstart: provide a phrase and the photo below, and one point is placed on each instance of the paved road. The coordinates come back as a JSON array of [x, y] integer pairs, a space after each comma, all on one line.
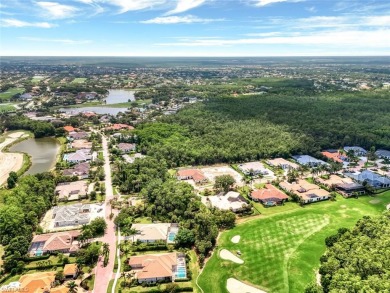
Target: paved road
[[105, 274]]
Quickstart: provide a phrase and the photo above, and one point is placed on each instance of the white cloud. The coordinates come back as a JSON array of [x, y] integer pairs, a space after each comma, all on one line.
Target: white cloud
[[11, 22], [339, 39], [133, 5], [179, 19], [184, 5], [269, 2], [56, 10], [61, 41]]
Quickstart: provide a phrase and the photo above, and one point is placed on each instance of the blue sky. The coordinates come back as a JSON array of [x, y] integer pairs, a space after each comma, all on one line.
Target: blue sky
[[194, 27]]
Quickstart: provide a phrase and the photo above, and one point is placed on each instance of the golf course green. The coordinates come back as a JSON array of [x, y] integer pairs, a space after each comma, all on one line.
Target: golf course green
[[282, 251]]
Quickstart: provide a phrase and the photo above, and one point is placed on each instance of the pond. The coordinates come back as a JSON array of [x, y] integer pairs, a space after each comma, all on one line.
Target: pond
[[43, 152], [119, 96]]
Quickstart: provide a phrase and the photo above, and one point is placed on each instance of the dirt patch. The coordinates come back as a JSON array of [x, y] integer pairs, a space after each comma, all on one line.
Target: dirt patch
[[236, 286], [227, 255], [236, 239]]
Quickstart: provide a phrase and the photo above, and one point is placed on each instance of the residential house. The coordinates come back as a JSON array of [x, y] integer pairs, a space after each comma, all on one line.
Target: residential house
[[306, 160], [131, 159], [282, 163], [307, 192], [350, 189], [269, 196], [253, 168], [26, 97], [358, 151], [79, 156], [150, 233], [191, 174], [72, 190], [333, 180], [70, 271], [77, 135], [69, 128], [71, 215], [373, 179], [231, 201], [150, 268], [64, 242], [41, 282], [383, 154], [81, 170], [126, 147], [335, 156], [119, 126], [80, 144]]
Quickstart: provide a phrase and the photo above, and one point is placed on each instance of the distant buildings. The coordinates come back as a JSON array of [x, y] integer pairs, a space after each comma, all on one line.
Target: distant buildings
[[305, 191], [191, 174], [371, 178]]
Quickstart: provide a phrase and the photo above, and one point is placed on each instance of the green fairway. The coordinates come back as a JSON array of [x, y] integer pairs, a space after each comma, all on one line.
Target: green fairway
[[79, 80], [282, 251], [6, 95]]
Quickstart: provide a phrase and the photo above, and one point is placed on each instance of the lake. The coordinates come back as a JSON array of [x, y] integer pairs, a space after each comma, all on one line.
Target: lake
[[119, 96], [43, 152]]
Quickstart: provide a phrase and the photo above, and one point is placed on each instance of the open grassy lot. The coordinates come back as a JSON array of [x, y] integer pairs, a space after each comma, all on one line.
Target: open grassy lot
[[5, 96], [79, 80], [281, 251]]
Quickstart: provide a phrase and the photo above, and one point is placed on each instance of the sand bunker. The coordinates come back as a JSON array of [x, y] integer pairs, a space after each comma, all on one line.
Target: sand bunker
[[227, 255], [235, 286], [236, 239], [9, 161]]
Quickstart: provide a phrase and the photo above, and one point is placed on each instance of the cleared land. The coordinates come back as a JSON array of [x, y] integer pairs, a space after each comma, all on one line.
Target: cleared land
[[10, 161], [79, 80], [281, 252], [5, 96]]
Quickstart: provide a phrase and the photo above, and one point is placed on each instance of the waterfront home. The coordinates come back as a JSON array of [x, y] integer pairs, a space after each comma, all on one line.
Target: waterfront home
[[80, 170]]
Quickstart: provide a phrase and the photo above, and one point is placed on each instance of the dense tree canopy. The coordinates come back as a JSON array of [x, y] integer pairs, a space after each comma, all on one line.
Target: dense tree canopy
[[358, 260], [236, 129]]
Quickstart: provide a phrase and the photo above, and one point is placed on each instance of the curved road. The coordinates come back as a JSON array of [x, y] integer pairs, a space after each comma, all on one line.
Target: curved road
[[103, 275]]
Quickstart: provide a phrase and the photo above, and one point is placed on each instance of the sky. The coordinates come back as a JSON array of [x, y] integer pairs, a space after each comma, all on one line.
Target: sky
[[194, 27]]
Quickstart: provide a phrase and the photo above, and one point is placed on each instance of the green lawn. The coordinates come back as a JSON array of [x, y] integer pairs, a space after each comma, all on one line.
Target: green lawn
[[6, 108], [79, 80], [282, 250], [5, 96]]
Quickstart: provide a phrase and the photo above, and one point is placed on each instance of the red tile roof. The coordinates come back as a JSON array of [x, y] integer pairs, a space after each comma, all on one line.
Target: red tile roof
[[69, 128], [333, 156], [195, 174], [268, 193]]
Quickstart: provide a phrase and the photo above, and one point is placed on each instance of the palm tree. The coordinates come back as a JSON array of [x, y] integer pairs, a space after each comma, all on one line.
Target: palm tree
[[72, 287], [106, 249]]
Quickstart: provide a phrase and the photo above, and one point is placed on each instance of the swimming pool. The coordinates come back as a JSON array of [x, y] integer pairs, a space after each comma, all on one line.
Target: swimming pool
[[171, 236], [181, 273]]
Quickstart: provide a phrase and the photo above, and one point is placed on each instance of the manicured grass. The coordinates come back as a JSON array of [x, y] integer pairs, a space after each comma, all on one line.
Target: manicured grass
[[55, 261], [282, 251], [79, 80], [6, 108], [148, 289], [6, 95]]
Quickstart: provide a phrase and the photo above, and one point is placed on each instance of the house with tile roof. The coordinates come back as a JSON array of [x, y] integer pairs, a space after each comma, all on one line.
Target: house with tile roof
[[80, 144], [75, 190], [73, 135], [269, 195], [371, 178], [126, 147], [191, 174], [79, 156], [151, 268], [41, 282], [307, 160], [80, 170], [305, 191], [282, 163], [69, 128], [70, 271], [230, 201], [71, 215], [253, 168], [64, 242]]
